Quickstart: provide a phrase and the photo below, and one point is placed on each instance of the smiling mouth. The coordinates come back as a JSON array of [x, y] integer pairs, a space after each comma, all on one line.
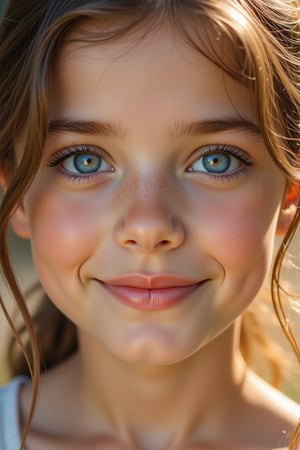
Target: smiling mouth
[[151, 293]]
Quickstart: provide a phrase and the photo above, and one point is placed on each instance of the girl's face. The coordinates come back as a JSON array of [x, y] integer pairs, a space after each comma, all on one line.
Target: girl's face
[[154, 165]]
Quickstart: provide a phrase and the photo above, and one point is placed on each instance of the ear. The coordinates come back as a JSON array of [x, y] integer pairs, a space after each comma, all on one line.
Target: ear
[[18, 220], [289, 208]]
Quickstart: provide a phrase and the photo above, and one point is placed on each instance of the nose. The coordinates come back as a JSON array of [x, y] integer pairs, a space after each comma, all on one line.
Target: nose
[[149, 226]]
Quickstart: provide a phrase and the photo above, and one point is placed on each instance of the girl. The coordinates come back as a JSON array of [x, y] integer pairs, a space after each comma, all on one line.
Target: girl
[[148, 149]]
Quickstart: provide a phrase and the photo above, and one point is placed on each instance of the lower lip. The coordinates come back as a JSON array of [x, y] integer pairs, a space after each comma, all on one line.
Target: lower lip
[[151, 299]]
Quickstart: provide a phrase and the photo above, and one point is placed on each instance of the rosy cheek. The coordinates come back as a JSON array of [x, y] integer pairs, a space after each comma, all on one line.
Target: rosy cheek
[[243, 241], [62, 230], [238, 230]]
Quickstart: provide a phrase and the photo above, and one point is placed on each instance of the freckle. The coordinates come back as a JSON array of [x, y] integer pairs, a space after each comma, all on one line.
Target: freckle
[[164, 186], [129, 187], [133, 186]]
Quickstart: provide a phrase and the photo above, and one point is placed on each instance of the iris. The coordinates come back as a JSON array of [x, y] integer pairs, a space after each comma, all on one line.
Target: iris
[[87, 163], [216, 162]]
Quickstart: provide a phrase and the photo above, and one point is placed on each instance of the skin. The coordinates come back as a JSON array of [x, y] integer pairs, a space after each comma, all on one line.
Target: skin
[[170, 379]]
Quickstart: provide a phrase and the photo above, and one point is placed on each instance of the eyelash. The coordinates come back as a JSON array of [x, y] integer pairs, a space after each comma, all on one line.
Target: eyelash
[[235, 152], [67, 152], [222, 149]]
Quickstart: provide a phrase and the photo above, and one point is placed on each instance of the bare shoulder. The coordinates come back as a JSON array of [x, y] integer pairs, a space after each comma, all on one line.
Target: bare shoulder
[[271, 400], [264, 418]]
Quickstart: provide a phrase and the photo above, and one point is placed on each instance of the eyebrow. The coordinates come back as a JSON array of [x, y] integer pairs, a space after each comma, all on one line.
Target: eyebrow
[[193, 128], [85, 127], [215, 126]]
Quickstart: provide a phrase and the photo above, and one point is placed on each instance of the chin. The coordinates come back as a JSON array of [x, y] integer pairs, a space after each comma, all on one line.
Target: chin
[[153, 349]]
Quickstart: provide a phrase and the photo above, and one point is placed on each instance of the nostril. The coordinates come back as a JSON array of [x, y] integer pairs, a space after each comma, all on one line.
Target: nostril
[[163, 243], [131, 242]]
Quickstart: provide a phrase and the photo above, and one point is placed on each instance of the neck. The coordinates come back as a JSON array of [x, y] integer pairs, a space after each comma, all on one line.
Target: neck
[[135, 397]]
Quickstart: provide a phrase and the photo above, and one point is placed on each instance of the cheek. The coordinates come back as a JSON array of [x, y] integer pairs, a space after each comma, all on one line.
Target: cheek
[[246, 233], [246, 253], [238, 228], [63, 228]]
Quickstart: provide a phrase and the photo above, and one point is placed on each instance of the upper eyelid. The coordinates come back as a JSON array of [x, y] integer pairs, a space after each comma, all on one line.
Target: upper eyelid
[[68, 151], [233, 150]]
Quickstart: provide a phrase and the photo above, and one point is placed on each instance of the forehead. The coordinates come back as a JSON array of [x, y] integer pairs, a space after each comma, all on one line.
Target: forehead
[[143, 72]]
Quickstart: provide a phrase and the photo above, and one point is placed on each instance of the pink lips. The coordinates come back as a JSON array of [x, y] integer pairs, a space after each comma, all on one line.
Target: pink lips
[[151, 292]]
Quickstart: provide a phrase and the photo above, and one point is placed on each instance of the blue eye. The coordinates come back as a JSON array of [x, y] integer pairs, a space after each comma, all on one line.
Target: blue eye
[[220, 160], [216, 163], [85, 163], [81, 161]]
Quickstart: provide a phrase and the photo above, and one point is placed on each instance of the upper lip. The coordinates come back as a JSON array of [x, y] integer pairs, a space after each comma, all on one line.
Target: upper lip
[[159, 281]]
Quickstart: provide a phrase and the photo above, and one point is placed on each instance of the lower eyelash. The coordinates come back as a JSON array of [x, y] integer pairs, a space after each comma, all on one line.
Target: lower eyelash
[[226, 176], [79, 178]]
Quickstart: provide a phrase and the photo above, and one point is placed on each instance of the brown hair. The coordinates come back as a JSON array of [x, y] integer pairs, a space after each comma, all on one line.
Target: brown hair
[[265, 39]]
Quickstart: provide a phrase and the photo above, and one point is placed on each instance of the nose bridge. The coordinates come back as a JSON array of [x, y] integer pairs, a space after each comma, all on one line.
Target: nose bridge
[[149, 211], [148, 191], [148, 220]]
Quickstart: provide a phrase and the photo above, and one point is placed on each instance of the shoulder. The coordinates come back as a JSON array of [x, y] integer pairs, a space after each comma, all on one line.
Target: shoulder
[[9, 414], [9, 392], [273, 401], [265, 417]]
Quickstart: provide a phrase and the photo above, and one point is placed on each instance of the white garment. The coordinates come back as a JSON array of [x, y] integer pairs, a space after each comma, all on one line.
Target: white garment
[[10, 434]]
